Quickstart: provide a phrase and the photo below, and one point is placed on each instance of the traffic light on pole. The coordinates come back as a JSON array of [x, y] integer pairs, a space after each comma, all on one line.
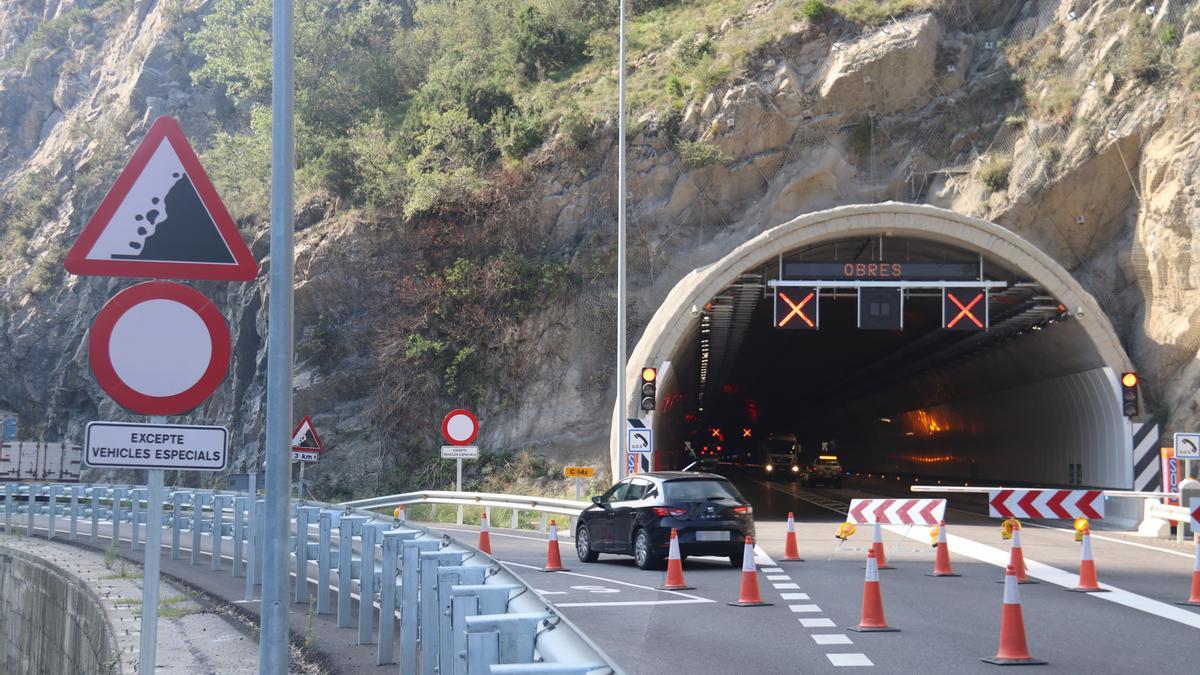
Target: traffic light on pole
[[1129, 394], [649, 388]]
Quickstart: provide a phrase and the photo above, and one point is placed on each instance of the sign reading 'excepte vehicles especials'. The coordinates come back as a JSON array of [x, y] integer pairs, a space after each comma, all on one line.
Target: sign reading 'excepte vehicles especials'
[[127, 445]]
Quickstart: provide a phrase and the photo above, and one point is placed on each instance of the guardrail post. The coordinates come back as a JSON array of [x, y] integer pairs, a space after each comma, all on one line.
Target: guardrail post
[[545, 524], [473, 600], [517, 632], [449, 576], [305, 551], [348, 526], [198, 501], [253, 526], [9, 505], [97, 494], [76, 491], [366, 583], [388, 583], [31, 507], [176, 521], [219, 502], [135, 517], [260, 538], [483, 651], [325, 559], [239, 532], [516, 524], [429, 608], [410, 616], [53, 510], [118, 497]]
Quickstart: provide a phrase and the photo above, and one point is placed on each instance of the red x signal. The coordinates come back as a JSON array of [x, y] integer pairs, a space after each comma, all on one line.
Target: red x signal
[[745, 432], [797, 309], [965, 310]]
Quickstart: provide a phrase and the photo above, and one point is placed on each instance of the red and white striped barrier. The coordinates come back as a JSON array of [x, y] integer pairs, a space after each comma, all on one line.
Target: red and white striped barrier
[[897, 511], [1194, 505], [1046, 504]]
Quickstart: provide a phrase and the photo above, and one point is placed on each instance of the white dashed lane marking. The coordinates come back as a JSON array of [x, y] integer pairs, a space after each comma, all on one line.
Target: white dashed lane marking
[[849, 660], [832, 639], [772, 570], [794, 596], [786, 586], [804, 608], [818, 623], [778, 577]]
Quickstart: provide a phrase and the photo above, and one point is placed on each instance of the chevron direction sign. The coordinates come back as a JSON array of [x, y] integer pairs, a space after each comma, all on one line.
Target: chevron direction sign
[[1046, 504], [897, 511]]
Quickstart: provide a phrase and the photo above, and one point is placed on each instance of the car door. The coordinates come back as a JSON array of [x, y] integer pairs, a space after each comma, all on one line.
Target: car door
[[599, 518], [625, 513]]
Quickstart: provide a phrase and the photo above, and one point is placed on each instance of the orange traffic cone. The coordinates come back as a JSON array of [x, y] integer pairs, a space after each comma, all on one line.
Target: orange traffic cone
[[749, 595], [790, 552], [872, 620], [553, 559], [1087, 568], [1013, 650], [941, 565], [675, 580], [877, 549], [485, 539], [1017, 559], [1195, 597]]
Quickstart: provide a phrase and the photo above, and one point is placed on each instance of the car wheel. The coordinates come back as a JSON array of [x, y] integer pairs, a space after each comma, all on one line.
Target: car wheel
[[735, 559], [643, 555], [583, 546]]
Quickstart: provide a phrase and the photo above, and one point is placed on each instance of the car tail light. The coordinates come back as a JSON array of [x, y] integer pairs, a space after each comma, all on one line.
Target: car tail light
[[744, 510], [664, 511]]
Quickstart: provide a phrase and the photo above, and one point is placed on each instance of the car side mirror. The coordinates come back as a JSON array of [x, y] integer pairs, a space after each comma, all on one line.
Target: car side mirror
[[597, 500]]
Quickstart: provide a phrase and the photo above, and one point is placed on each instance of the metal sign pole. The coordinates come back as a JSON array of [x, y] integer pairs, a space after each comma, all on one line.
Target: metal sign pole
[[148, 642], [458, 487], [273, 640], [300, 486], [621, 411], [578, 488]]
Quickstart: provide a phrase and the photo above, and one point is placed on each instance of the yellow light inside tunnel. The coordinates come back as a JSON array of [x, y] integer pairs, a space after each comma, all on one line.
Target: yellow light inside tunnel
[[1129, 379], [648, 374]]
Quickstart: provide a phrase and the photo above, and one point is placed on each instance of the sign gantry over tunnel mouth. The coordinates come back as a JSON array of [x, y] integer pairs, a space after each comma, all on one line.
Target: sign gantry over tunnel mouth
[[1013, 402]]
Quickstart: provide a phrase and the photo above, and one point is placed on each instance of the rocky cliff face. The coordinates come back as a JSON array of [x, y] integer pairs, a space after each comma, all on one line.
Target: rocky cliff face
[[1070, 122]]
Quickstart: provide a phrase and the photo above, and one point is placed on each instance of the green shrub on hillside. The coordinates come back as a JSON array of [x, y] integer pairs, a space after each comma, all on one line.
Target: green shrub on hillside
[[1140, 55], [815, 10], [697, 154], [993, 172]]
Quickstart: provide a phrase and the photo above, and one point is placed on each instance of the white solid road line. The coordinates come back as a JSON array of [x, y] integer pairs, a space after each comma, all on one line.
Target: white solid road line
[[999, 558], [1135, 544], [494, 533], [629, 602], [690, 597]]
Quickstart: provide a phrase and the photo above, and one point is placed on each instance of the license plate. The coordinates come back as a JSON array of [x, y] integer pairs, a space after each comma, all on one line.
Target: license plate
[[713, 535]]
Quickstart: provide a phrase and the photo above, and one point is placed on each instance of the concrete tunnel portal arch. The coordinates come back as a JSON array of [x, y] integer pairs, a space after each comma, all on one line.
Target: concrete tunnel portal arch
[[1035, 399]]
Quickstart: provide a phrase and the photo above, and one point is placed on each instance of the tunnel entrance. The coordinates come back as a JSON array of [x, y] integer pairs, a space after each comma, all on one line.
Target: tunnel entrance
[[1027, 394]]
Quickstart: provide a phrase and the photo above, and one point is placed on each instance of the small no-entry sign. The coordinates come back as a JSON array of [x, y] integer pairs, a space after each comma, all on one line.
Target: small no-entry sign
[[460, 427]]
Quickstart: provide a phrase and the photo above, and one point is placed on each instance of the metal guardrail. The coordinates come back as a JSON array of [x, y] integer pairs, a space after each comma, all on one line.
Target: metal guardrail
[[488, 500], [460, 611]]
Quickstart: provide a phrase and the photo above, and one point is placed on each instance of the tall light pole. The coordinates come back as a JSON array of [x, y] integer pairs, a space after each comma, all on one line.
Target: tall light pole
[[621, 460], [273, 639]]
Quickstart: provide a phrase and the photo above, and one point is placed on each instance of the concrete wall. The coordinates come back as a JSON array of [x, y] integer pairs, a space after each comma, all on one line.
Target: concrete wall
[[50, 621]]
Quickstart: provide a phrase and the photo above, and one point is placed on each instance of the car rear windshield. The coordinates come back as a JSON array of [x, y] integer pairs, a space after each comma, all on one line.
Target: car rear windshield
[[699, 490]]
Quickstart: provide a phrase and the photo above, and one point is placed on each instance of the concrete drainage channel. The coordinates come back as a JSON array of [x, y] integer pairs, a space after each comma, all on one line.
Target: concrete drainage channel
[[450, 607]]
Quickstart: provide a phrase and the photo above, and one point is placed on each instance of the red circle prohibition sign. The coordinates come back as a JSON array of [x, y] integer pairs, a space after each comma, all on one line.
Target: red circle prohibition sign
[[459, 427], [159, 348]]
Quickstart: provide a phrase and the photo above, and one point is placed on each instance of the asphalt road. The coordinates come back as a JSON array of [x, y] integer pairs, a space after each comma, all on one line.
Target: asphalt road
[[946, 624]]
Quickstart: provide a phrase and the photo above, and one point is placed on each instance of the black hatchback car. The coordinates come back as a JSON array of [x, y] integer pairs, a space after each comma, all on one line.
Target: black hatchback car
[[635, 517]]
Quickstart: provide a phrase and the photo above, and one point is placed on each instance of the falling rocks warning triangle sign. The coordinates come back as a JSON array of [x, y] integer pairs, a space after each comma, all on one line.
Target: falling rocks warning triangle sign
[[162, 219], [305, 437]]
